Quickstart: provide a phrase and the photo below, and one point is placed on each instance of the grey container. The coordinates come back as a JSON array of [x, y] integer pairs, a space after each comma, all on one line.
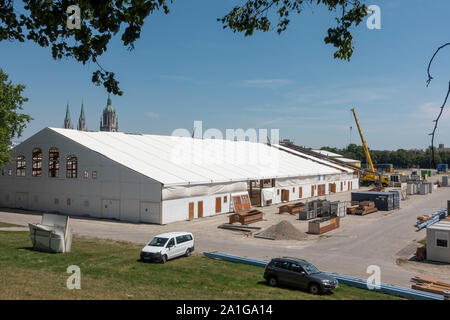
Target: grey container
[[307, 214], [445, 181]]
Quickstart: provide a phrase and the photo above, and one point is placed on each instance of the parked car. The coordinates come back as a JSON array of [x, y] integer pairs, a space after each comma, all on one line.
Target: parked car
[[167, 246], [298, 273]]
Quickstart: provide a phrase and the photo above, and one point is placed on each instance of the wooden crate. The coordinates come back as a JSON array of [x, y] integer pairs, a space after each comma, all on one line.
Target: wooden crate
[[323, 225], [246, 217]]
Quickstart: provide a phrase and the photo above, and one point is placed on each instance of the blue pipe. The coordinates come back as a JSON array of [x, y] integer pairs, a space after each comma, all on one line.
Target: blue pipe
[[434, 218]]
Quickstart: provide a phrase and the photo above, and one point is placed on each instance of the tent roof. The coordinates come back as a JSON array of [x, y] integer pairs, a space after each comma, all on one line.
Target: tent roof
[[183, 160], [328, 153], [348, 160], [304, 155]]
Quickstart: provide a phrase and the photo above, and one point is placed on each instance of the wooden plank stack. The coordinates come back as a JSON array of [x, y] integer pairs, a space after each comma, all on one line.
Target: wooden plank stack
[[361, 208], [431, 285]]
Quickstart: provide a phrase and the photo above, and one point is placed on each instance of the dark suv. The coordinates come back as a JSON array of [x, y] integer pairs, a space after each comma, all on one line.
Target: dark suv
[[298, 273]]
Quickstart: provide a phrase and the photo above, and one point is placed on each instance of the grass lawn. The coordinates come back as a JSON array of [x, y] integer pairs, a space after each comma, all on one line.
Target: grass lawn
[[8, 225], [424, 242], [111, 270]]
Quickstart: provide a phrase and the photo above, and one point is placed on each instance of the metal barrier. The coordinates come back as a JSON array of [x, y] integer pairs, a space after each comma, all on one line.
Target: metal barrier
[[347, 280]]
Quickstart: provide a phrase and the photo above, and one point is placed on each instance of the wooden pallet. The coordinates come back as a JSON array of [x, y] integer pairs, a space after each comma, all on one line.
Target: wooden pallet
[[431, 285], [292, 208]]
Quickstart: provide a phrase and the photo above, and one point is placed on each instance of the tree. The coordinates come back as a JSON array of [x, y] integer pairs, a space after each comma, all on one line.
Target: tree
[[433, 160], [45, 23], [11, 121]]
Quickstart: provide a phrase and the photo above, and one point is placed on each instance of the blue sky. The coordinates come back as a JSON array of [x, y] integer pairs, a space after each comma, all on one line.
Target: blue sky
[[186, 67]]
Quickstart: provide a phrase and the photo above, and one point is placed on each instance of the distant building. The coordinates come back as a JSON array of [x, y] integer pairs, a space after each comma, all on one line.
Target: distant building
[[442, 148], [109, 120], [82, 120], [67, 121]]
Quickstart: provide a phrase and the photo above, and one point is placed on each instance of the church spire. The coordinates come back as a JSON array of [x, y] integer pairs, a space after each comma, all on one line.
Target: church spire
[[82, 120], [67, 121], [109, 121]]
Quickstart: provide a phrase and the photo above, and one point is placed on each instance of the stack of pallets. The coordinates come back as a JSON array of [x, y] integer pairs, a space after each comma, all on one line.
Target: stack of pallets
[[361, 208], [431, 285], [292, 208], [246, 217]]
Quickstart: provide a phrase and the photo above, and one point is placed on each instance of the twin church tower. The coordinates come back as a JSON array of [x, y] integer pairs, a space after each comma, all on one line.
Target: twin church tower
[[108, 122]]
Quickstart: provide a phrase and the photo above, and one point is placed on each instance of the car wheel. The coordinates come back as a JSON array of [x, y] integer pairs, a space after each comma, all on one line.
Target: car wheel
[[314, 288], [163, 259], [188, 252], [272, 281]]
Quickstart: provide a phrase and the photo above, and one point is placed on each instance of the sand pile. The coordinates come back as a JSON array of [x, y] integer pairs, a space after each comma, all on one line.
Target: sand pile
[[283, 231]]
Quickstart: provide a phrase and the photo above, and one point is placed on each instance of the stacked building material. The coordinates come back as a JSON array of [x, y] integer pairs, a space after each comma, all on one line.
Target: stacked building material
[[363, 208], [292, 208], [397, 197], [431, 285], [321, 226], [246, 217], [428, 220], [384, 201]]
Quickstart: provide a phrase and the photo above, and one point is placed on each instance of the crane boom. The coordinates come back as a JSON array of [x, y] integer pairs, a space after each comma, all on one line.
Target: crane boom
[[366, 150]]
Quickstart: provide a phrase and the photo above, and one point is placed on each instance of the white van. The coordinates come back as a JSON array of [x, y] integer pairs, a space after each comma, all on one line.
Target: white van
[[167, 246]]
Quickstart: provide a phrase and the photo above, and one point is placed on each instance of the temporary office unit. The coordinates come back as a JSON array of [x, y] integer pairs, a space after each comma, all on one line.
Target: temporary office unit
[[384, 201], [438, 245], [152, 178]]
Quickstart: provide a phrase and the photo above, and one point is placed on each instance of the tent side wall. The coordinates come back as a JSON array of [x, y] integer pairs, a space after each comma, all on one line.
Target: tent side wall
[[116, 192]]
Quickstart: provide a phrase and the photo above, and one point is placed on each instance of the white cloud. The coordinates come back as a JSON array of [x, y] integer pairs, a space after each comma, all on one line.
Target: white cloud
[[430, 111], [176, 77], [263, 83], [152, 115]]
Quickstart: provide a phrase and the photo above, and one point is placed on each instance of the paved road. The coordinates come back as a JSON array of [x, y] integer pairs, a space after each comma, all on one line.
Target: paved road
[[349, 252]]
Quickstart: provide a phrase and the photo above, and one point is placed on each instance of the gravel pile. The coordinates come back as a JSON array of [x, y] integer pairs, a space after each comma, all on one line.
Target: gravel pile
[[283, 231]]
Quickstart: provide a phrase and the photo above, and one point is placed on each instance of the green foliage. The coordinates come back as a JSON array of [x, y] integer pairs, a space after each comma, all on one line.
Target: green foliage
[[400, 158], [11, 121], [259, 15], [45, 23]]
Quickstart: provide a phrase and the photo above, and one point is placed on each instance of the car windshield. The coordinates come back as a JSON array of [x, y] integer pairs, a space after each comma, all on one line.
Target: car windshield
[[158, 242], [310, 269]]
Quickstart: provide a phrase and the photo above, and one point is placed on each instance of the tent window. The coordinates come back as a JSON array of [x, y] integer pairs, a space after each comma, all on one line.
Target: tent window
[[20, 166], [71, 167], [86, 174], [94, 174], [53, 163], [37, 162]]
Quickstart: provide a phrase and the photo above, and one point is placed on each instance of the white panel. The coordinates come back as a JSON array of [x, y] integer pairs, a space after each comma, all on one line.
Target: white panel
[[150, 212]]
